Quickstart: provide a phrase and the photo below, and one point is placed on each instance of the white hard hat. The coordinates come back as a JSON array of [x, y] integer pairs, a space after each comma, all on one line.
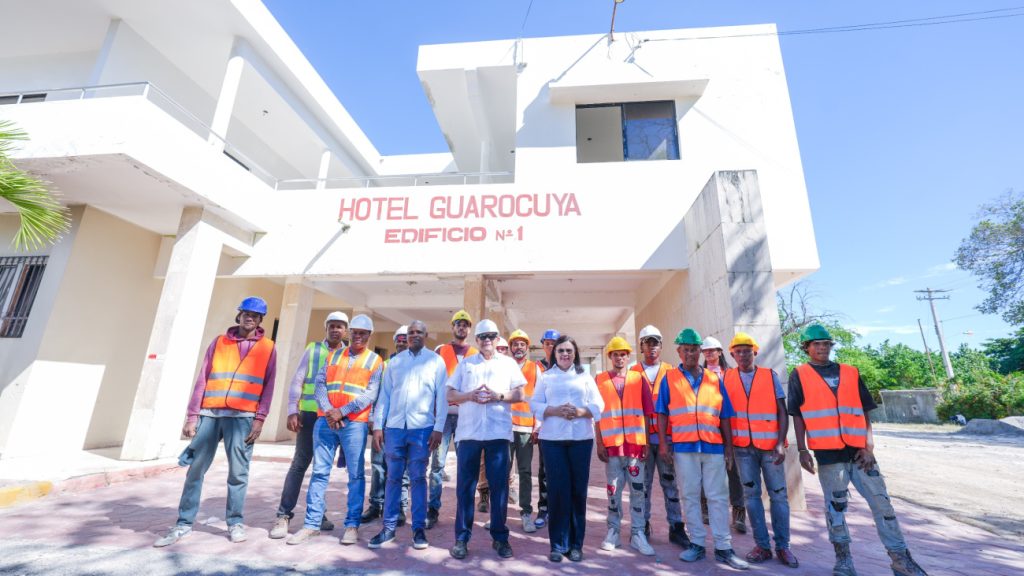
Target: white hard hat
[[336, 316], [710, 343], [501, 342], [649, 331], [485, 326], [361, 322], [403, 330]]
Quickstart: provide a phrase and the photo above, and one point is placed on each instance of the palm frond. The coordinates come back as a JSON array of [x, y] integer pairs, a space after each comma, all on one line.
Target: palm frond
[[43, 218]]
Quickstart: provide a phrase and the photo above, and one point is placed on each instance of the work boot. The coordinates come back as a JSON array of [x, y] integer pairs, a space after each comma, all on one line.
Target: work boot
[[677, 535], [432, 515], [325, 524], [371, 514], [351, 536], [729, 557], [693, 553], [844, 562], [280, 529], [786, 557], [904, 565], [739, 519], [459, 550], [485, 498], [758, 555]]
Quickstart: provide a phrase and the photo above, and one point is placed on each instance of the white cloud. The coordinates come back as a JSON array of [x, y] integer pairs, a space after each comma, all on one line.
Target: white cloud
[[886, 309], [940, 269], [894, 281], [864, 330]]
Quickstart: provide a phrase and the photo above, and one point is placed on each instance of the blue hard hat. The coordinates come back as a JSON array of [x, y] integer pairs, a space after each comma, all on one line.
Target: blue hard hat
[[254, 304], [550, 334]]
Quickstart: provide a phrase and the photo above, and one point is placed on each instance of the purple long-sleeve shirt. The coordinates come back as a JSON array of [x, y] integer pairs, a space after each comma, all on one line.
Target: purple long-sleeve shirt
[[244, 345]]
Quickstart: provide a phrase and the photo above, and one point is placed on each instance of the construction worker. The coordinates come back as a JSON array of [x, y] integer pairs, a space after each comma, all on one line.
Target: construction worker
[[829, 404], [452, 353], [502, 347], [620, 433], [652, 370], [694, 408], [485, 386], [302, 416], [759, 431], [715, 362], [378, 464], [230, 400], [548, 342], [408, 422], [524, 426], [345, 391]]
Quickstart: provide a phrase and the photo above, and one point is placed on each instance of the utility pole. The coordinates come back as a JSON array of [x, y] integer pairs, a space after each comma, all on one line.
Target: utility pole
[[931, 298], [927, 352]]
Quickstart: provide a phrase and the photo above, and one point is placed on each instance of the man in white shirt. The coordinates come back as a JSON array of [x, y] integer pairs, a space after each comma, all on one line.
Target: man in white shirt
[[484, 386]]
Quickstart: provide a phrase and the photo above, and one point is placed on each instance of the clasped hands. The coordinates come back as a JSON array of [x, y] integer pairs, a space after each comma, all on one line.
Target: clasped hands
[[568, 411], [484, 395]]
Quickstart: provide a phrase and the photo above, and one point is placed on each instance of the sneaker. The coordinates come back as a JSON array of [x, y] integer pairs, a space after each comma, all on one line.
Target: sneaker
[[432, 515], [677, 535], [173, 535], [611, 541], [302, 536], [575, 555], [503, 548], [786, 557], [236, 533], [459, 550], [729, 557], [542, 519], [639, 543], [371, 514], [739, 519], [382, 538], [693, 553], [351, 536], [758, 555], [555, 556], [280, 529], [528, 525], [419, 539], [903, 564], [326, 525]]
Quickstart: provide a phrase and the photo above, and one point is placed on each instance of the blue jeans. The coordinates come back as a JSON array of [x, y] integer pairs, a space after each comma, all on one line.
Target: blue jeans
[[568, 466], [752, 464], [203, 447], [835, 485], [407, 451], [495, 454], [352, 439], [438, 459], [378, 479]]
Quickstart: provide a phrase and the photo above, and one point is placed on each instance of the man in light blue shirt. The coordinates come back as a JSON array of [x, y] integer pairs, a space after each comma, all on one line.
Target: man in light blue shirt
[[408, 421]]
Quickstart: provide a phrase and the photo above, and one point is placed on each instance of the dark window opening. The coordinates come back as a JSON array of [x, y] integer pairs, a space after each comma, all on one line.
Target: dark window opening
[[626, 132], [20, 277]]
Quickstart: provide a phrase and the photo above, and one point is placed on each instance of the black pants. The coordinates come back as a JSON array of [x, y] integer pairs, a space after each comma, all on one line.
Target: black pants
[[570, 473], [300, 463]]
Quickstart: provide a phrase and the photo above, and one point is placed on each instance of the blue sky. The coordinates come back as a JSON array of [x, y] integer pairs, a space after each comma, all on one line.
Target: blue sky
[[903, 132]]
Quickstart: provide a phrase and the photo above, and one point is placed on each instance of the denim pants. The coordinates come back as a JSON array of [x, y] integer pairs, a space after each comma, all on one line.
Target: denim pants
[[495, 455], [621, 471], [697, 470], [522, 453], [378, 479], [352, 438], [667, 480], [301, 460], [568, 462], [752, 464], [835, 485], [203, 447], [407, 452], [438, 458]]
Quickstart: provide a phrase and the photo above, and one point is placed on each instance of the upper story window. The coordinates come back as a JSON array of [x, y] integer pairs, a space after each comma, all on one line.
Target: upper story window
[[626, 132], [20, 277]]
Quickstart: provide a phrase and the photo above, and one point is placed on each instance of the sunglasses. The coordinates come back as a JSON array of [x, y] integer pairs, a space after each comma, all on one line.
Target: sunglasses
[[488, 336], [568, 352]]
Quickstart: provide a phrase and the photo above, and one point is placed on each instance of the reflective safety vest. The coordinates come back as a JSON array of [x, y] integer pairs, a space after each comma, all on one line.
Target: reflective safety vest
[[832, 422], [316, 354], [235, 382], [521, 414], [451, 361], [756, 416], [345, 383], [694, 417], [622, 420], [652, 426]]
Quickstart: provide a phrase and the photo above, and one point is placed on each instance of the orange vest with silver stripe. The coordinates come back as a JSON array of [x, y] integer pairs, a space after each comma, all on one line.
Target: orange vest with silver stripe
[[757, 418], [521, 414], [693, 417], [345, 383], [451, 361], [652, 426], [622, 420], [833, 421], [235, 382]]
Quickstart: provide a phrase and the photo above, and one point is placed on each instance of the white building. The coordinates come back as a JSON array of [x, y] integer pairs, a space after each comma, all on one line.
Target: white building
[[592, 186]]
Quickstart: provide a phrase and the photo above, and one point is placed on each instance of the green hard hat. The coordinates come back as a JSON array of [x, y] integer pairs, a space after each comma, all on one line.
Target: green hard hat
[[814, 332], [689, 336]]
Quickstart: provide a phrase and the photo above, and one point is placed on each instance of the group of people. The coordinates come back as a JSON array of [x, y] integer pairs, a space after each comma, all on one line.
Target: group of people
[[714, 434]]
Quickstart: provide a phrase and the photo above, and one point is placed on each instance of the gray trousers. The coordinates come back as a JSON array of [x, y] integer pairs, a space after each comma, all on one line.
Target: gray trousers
[[835, 486], [621, 472]]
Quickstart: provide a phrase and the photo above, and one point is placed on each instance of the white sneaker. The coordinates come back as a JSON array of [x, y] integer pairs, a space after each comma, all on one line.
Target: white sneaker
[[639, 543], [611, 541], [172, 536], [528, 525], [236, 532]]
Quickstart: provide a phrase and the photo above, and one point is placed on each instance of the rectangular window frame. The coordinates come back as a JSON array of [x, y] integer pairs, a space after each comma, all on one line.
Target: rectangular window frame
[[20, 279], [622, 127]]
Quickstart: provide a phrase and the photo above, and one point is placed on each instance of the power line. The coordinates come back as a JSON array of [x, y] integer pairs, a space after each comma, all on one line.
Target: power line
[[525, 18]]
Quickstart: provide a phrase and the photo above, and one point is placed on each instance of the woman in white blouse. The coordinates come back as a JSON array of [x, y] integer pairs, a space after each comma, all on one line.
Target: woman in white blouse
[[568, 402]]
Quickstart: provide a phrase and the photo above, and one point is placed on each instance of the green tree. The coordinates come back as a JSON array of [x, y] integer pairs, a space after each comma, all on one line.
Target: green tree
[[994, 253], [798, 309], [904, 367], [1007, 353], [43, 219], [866, 361]]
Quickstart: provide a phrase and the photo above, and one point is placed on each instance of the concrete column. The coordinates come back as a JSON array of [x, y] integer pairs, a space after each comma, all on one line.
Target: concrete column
[[292, 327], [474, 298], [101, 59], [325, 165], [226, 100], [168, 371]]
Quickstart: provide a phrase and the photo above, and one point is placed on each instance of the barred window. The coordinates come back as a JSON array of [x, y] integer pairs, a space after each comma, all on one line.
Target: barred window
[[20, 277]]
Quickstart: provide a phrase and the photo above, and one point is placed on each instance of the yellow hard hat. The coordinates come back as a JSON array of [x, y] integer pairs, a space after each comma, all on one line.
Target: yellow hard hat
[[519, 335], [462, 315], [743, 339], [617, 343]]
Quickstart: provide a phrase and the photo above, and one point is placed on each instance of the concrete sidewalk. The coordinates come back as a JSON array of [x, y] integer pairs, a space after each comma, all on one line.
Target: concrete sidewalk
[[111, 529]]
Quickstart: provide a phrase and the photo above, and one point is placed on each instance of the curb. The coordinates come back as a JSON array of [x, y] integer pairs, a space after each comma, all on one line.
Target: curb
[[13, 495], [29, 491]]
